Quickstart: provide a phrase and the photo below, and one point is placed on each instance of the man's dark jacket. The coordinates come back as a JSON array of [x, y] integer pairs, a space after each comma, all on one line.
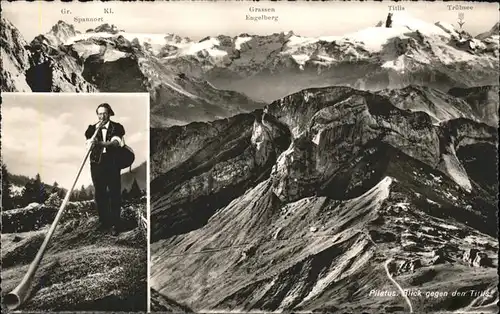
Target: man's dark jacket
[[114, 129]]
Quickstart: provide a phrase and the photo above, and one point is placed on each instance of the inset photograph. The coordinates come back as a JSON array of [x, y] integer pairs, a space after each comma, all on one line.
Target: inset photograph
[[75, 202]]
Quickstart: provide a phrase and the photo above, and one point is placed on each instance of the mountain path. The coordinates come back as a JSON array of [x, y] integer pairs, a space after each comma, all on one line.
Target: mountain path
[[397, 285], [388, 273]]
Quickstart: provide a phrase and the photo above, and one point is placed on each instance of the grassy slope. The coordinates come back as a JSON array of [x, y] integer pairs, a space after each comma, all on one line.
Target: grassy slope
[[83, 269]]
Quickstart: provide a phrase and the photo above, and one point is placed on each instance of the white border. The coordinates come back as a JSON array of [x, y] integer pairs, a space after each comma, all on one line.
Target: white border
[[148, 206]]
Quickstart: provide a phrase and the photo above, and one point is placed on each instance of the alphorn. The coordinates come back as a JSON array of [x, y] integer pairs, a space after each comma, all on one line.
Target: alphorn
[[17, 297]]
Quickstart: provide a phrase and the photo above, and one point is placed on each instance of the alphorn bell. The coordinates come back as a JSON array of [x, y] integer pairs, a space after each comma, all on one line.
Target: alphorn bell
[[17, 297]]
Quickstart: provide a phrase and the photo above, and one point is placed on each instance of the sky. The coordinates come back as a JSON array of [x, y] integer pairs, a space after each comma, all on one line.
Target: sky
[[198, 19], [44, 132]]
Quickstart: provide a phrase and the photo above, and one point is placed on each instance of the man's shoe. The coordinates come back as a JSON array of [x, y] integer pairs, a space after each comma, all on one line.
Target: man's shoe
[[114, 231]]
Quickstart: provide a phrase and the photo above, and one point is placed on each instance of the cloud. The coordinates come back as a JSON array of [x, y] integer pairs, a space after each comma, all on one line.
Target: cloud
[[39, 136], [135, 138], [123, 119], [42, 134]]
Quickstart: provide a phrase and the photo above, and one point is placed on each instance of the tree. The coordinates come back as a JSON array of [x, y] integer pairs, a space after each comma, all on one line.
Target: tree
[[135, 191], [7, 202], [62, 192], [55, 187], [34, 191], [90, 192], [125, 195], [83, 194], [75, 196], [41, 189]]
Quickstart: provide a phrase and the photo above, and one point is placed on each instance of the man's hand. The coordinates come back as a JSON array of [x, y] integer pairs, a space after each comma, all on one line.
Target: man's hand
[[96, 142], [113, 143], [99, 124], [106, 144]]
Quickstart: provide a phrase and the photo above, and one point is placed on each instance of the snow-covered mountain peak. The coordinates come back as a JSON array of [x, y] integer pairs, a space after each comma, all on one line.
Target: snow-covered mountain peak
[[61, 32], [241, 40], [156, 43], [106, 28], [401, 25], [63, 27], [405, 20], [208, 47], [374, 38]]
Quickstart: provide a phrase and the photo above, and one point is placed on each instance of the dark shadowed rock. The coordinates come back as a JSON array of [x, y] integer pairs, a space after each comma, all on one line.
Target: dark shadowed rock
[[160, 303], [482, 260], [409, 266]]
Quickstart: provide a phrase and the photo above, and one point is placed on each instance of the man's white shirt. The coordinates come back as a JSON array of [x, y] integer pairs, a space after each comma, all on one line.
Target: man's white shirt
[[104, 131]]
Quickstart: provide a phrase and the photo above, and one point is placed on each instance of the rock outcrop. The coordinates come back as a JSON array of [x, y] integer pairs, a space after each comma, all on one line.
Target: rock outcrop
[[483, 101], [409, 266], [36, 216], [475, 258], [16, 59], [58, 35], [43, 65], [494, 31], [187, 195], [106, 28], [388, 22]]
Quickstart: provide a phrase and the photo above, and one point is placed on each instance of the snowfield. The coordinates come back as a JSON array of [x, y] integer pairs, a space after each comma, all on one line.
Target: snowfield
[[158, 41], [356, 45]]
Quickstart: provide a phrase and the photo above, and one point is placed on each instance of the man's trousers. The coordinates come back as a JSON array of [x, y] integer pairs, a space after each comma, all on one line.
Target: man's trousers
[[107, 185]]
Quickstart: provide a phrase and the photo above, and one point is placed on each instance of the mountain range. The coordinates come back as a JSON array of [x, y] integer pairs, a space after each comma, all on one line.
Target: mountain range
[[139, 174], [218, 77]]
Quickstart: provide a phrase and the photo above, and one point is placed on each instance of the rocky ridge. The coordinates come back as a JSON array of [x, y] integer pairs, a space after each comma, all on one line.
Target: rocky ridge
[[494, 31]]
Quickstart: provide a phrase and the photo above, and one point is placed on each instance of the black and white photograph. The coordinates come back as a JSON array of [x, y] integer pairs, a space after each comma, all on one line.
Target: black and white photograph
[[333, 156], [75, 221]]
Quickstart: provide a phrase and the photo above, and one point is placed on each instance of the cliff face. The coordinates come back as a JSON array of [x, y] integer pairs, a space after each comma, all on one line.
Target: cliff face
[[300, 206], [41, 66], [363, 120], [58, 35], [15, 59], [482, 99], [239, 155]]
